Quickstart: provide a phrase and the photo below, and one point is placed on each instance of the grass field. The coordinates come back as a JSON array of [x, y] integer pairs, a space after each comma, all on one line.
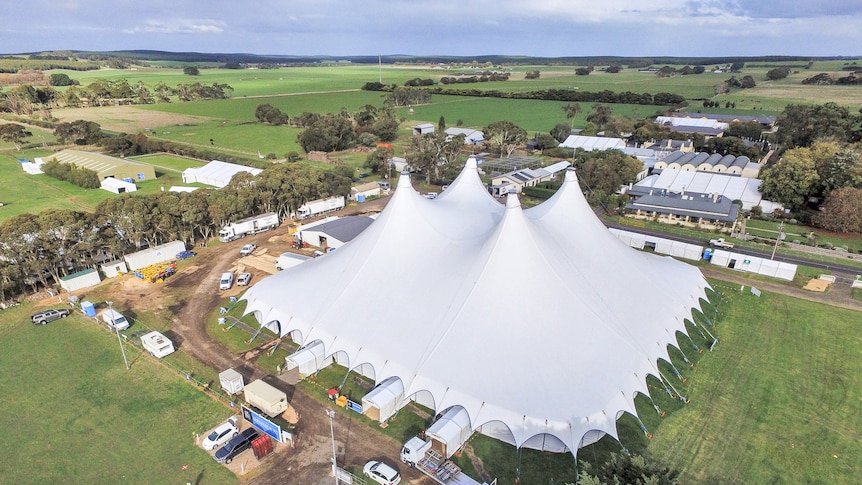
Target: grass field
[[74, 414]]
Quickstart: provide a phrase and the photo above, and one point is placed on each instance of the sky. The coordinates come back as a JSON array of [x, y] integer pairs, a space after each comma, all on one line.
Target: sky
[[542, 28]]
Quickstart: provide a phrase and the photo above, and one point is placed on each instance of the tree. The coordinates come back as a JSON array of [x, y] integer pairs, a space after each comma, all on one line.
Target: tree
[[14, 133], [61, 79], [601, 115], [607, 170], [802, 125], [572, 110], [377, 160], [836, 167], [545, 141], [506, 136], [623, 468], [613, 69], [441, 123], [330, 133], [730, 145], [791, 179], [842, 211], [777, 73], [747, 82], [561, 131], [744, 129], [191, 71], [532, 74]]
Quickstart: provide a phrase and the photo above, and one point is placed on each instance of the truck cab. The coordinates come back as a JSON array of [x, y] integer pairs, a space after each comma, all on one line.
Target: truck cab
[[414, 450]]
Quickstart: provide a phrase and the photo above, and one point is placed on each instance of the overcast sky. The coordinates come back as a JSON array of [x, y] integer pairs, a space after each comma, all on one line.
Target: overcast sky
[[546, 28]]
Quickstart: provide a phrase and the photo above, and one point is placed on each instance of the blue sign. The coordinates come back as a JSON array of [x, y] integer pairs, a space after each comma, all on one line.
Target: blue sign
[[263, 424], [354, 406]]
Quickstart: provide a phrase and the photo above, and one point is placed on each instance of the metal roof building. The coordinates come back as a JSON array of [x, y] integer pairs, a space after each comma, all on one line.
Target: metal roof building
[[105, 165]]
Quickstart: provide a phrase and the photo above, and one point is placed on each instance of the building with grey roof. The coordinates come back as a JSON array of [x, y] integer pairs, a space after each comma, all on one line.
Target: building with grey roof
[[708, 211], [334, 233], [704, 162]]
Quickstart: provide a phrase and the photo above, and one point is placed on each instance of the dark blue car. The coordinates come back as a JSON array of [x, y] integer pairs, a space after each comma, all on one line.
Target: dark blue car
[[236, 445]]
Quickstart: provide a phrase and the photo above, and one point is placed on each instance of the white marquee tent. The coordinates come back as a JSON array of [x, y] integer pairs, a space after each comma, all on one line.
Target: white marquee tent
[[501, 310], [382, 402]]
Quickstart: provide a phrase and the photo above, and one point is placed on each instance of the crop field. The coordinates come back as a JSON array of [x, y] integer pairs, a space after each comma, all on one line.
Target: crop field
[[74, 414]]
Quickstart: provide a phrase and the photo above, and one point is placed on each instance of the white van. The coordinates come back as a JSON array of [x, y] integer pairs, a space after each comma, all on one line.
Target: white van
[[115, 319], [226, 281]]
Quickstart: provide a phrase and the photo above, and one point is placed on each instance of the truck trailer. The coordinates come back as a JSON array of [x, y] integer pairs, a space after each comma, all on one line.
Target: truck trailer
[[265, 397], [418, 453], [248, 226], [319, 206]]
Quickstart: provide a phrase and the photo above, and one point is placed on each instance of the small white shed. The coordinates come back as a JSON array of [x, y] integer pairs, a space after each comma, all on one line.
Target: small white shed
[[423, 129], [381, 403], [231, 381], [452, 430], [81, 279], [154, 255], [307, 360], [118, 186], [112, 269]]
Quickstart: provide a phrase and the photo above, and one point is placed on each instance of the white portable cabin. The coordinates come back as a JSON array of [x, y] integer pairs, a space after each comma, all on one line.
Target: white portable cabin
[[112, 269], [81, 279], [307, 360], [231, 381], [157, 344], [154, 255], [452, 430], [382, 402]]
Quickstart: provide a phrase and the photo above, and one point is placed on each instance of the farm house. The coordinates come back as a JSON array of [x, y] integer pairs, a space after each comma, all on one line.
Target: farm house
[[538, 295], [154, 255]]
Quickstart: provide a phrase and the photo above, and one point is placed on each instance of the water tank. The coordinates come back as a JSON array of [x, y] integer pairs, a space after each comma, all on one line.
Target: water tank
[[707, 254]]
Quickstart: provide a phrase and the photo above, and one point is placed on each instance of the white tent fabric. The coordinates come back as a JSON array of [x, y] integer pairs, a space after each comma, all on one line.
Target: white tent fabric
[[385, 398], [503, 311], [216, 173]]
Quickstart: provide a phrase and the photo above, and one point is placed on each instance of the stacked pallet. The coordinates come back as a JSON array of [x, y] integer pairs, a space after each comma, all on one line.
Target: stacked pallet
[[157, 272]]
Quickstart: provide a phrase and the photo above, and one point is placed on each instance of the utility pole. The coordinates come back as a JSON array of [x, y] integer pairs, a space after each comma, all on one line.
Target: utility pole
[[113, 324], [778, 239], [331, 415]]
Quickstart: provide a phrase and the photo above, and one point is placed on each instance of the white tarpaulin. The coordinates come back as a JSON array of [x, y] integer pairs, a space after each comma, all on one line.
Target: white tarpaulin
[[754, 264], [382, 402], [538, 296]]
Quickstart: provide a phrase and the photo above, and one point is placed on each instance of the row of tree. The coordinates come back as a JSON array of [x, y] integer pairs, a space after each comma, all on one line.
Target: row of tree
[[58, 242]]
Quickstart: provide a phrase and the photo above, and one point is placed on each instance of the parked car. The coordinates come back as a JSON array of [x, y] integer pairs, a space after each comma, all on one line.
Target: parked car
[[247, 249], [236, 445], [431, 195], [221, 434], [226, 281], [381, 473], [46, 316], [243, 279]]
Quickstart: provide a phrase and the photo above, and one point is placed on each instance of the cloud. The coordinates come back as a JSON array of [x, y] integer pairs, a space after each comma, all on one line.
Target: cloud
[[179, 26]]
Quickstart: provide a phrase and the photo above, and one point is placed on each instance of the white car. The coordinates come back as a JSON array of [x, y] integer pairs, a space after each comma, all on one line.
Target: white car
[[226, 281], [247, 249], [221, 434], [243, 279], [381, 473]]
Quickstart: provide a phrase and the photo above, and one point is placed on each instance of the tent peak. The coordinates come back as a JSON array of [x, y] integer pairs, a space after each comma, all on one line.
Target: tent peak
[[512, 200], [404, 179], [570, 175], [471, 163]]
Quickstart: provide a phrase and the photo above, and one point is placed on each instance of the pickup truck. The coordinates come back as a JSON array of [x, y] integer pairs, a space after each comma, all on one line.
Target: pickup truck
[[720, 243]]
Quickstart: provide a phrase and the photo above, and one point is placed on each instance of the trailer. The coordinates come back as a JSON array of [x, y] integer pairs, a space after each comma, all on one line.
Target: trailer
[[157, 344], [319, 206], [248, 226], [265, 397], [418, 453], [231, 381]]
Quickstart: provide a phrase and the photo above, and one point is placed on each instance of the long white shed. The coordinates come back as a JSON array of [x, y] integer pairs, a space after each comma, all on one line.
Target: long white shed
[[154, 255], [452, 430], [381, 403], [81, 279]]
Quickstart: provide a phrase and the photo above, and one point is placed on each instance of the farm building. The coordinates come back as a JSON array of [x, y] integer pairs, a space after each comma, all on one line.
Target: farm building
[[361, 192], [527, 177], [112, 269], [734, 187], [334, 232], [216, 173], [423, 129], [79, 280], [105, 165], [707, 211], [154, 255], [537, 295], [590, 143], [471, 136], [704, 162], [118, 186]]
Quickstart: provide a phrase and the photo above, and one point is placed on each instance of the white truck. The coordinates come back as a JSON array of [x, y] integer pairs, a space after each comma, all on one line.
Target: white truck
[[720, 243], [248, 226], [418, 453], [268, 399], [319, 206]]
